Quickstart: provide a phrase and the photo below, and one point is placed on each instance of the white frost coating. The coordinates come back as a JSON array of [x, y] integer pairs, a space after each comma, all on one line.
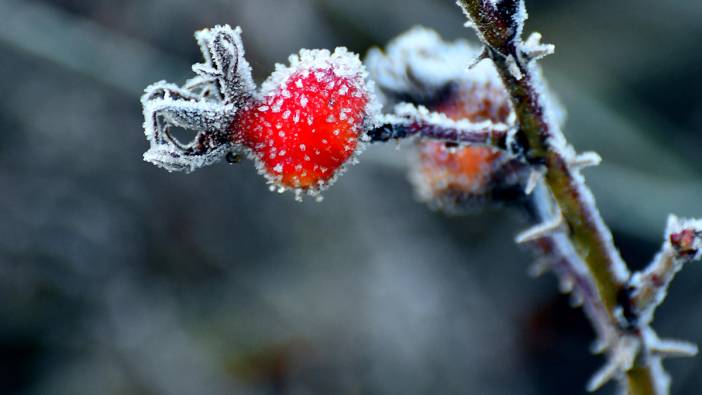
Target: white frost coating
[[419, 64], [621, 359], [586, 159], [677, 225], [207, 104], [569, 267], [554, 116], [627, 348], [542, 230]]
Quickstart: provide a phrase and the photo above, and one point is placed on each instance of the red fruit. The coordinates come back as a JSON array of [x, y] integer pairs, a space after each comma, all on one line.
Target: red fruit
[[450, 176], [309, 121], [452, 171]]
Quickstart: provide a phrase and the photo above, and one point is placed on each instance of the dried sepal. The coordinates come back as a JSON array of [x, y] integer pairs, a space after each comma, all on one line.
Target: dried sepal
[[167, 106], [225, 64]]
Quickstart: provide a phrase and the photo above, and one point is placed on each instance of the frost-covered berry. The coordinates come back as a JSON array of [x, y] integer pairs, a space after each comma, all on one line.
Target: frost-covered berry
[[302, 127], [420, 67], [309, 120]]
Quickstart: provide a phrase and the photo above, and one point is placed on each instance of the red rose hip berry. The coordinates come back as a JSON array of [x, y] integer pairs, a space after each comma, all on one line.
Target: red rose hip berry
[[309, 119]]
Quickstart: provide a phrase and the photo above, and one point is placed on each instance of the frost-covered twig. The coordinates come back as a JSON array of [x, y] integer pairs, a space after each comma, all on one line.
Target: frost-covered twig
[[683, 244], [632, 360], [409, 121]]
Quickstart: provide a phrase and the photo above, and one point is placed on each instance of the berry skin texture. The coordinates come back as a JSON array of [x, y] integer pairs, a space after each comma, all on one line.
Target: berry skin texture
[[309, 120]]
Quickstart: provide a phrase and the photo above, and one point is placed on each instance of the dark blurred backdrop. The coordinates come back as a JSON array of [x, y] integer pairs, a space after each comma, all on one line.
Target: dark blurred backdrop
[[119, 278]]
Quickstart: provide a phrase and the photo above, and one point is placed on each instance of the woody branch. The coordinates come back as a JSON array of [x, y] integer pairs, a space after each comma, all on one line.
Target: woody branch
[[615, 304]]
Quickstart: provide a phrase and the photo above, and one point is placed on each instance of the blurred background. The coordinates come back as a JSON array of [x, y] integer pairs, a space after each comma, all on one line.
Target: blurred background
[[117, 277]]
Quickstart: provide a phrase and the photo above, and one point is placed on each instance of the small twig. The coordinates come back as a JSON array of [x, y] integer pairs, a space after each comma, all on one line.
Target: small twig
[[412, 122], [683, 244]]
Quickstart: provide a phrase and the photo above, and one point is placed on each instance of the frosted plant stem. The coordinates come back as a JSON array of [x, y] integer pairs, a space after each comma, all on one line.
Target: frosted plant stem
[[487, 135], [568, 266], [499, 26], [545, 145]]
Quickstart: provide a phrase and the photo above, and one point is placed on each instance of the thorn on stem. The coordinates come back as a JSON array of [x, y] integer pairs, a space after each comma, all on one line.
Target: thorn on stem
[[534, 178], [514, 68], [586, 159], [541, 230], [484, 54]]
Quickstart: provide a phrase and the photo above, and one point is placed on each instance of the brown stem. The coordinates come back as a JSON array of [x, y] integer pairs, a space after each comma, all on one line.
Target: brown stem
[[545, 144], [488, 135]]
